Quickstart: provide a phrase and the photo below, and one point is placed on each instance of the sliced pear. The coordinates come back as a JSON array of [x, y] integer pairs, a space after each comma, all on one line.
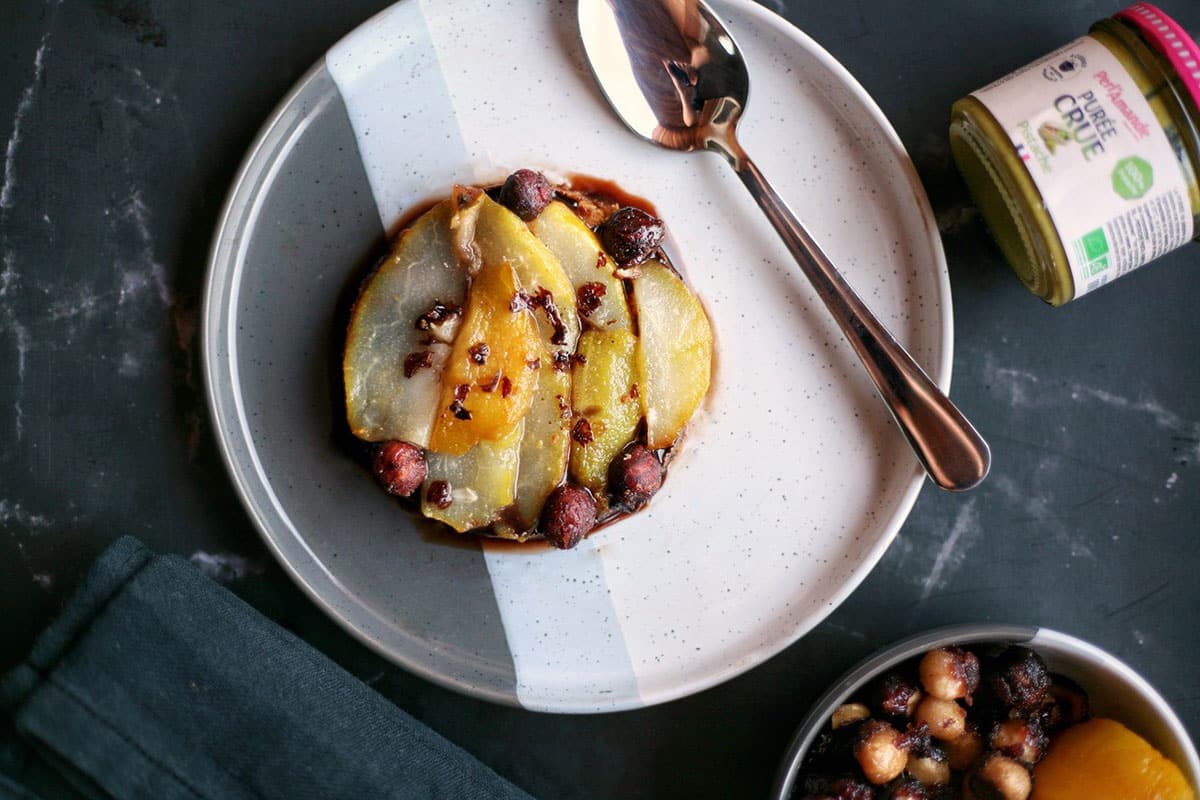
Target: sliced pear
[[481, 481], [546, 444], [606, 410], [584, 261], [674, 353], [422, 270], [489, 378], [501, 236]]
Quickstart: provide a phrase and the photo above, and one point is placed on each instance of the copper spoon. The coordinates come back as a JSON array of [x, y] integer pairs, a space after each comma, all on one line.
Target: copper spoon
[[675, 77]]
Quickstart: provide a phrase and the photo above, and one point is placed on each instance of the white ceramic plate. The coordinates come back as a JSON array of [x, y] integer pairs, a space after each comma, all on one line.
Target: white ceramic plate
[[793, 479]]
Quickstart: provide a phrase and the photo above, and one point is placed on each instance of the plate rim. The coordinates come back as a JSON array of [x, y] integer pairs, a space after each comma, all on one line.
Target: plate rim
[[239, 198]]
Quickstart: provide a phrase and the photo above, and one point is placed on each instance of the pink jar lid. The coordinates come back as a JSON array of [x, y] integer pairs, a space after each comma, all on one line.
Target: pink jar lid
[[1170, 39]]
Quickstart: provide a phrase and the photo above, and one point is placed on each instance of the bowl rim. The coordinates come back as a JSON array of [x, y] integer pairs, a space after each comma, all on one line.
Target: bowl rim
[[964, 633]]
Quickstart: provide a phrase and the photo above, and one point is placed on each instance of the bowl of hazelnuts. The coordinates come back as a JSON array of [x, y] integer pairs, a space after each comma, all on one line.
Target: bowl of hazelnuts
[[988, 712]]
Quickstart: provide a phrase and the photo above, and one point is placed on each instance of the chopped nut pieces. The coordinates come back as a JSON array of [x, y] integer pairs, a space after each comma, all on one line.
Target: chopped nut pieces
[[479, 352], [422, 359], [439, 494], [589, 297]]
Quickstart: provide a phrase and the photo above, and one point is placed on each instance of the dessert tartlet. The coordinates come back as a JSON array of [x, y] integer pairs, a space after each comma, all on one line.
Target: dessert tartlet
[[525, 360]]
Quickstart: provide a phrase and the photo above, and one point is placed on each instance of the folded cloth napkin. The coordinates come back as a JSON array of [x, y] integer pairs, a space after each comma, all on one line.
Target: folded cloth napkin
[[158, 683]]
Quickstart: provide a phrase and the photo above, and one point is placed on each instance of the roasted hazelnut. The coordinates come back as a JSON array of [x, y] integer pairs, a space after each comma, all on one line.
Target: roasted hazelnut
[[930, 766], [963, 751], [631, 235], [997, 777], [880, 751], [1019, 739], [848, 714], [1019, 679], [567, 516], [1065, 704], [399, 467], [950, 673], [635, 476], [946, 719], [526, 193], [907, 789], [896, 696]]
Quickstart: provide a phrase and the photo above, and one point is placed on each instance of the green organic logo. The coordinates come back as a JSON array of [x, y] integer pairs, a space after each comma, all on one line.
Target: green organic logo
[[1093, 247], [1132, 177], [1095, 244]]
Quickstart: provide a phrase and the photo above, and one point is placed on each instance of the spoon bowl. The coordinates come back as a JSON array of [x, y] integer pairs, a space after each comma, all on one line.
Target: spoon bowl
[[676, 77]]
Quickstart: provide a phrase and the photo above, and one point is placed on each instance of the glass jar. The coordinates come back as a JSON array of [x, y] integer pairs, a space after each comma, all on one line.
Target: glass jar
[[1084, 164]]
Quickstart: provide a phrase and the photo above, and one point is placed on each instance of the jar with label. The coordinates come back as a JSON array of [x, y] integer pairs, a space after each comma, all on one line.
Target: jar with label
[[1084, 164]]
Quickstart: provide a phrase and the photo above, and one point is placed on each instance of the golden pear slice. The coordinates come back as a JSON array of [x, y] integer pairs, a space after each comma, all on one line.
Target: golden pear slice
[[480, 482], [584, 261], [490, 377], [501, 236], [383, 403], [674, 354], [606, 409]]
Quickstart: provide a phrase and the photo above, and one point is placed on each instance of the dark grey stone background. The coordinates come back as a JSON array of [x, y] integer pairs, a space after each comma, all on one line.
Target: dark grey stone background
[[123, 123]]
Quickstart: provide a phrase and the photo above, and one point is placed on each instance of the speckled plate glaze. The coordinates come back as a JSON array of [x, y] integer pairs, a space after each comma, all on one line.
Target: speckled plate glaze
[[792, 481]]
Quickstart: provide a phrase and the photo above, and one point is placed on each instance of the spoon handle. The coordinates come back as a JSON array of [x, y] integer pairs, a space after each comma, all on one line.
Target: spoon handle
[[951, 450]]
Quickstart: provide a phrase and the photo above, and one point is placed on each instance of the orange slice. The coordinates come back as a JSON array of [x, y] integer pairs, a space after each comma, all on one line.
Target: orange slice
[[1103, 760]]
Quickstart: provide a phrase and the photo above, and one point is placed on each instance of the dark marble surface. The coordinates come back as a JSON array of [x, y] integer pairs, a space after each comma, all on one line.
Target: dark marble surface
[[123, 122]]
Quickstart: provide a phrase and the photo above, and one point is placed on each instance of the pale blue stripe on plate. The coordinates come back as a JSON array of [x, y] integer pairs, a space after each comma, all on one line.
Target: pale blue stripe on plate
[[562, 629]]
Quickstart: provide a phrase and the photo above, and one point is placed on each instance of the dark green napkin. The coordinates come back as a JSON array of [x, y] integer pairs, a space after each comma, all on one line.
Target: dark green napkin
[[158, 683]]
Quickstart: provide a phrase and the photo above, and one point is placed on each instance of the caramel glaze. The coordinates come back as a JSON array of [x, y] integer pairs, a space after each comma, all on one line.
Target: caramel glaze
[[603, 189], [410, 216], [598, 189]]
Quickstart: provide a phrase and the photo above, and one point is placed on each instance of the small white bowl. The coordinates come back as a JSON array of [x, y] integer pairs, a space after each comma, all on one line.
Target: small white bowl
[[1114, 690]]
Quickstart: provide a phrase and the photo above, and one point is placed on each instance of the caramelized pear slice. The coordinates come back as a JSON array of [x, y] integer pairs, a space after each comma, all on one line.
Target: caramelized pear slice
[[478, 483], [488, 383], [674, 354], [501, 236], [606, 409], [422, 272], [584, 261]]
